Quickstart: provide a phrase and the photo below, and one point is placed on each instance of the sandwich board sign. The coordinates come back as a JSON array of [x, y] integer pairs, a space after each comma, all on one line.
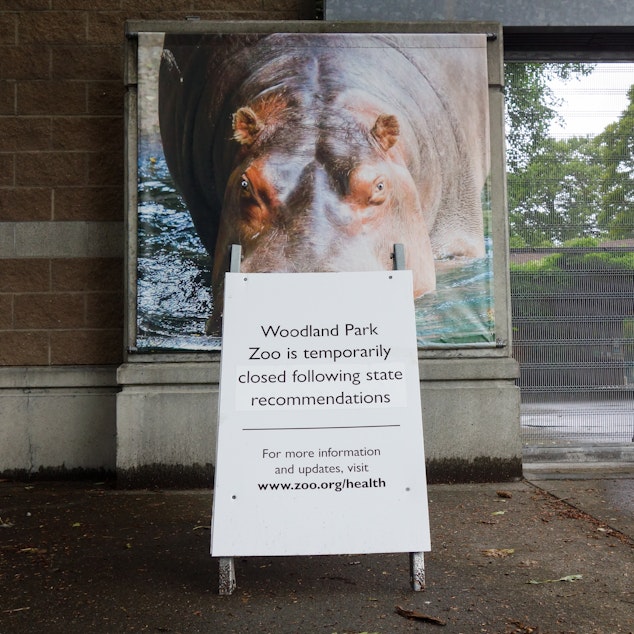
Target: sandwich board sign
[[320, 438]]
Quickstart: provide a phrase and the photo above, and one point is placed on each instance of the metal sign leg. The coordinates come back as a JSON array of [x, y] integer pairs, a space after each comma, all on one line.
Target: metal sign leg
[[227, 576], [227, 570], [417, 571], [416, 560]]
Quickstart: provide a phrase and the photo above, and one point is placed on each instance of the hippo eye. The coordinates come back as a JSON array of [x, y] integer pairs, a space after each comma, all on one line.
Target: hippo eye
[[379, 191]]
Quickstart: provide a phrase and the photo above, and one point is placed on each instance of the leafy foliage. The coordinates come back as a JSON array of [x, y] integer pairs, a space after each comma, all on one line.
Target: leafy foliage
[[573, 187], [616, 148], [531, 106], [556, 196], [579, 254]]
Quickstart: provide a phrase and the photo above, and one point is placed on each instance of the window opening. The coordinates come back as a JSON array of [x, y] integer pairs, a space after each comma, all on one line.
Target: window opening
[[570, 176]]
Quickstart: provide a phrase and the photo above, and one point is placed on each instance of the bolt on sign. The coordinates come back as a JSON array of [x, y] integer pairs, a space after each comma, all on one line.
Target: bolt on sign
[[320, 437]]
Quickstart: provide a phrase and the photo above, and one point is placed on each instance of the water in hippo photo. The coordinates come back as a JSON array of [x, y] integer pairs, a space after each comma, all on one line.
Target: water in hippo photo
[[284, 144]]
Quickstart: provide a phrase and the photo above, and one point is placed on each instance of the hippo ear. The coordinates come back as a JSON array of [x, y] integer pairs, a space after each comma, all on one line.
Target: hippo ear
[[246, 126], [386, 130]]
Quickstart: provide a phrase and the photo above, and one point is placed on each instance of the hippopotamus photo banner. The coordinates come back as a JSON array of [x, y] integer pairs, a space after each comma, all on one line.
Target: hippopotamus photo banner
[[320, 437], [315, 152]]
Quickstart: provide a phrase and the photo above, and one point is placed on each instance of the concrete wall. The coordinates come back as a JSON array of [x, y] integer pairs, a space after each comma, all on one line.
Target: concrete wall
[[166, 410], [63, 400], [72, 400], [64, 407], [166, 423], [509, 13], [471, 412], [62, 203], [167, 420], [60, 421]]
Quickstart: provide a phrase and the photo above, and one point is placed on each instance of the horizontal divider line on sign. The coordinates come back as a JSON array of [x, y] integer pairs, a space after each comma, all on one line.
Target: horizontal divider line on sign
[[309, 428]]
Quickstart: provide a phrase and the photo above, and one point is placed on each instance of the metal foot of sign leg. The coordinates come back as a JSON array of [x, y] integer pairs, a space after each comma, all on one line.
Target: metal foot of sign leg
[[227, 576], [417, 571]]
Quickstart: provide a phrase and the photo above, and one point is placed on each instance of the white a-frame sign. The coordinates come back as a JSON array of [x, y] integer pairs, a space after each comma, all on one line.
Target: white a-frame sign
[[320, 438]]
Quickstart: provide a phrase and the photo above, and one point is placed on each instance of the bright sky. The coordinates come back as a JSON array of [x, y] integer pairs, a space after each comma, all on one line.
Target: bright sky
[[591, 102]]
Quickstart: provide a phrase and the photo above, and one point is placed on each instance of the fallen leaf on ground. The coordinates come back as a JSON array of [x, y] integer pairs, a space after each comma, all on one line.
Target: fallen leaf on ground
[[33, 551], [505, 494], [528, 563], [498, 513], [566, 578], [498, 552], [520, 628], [419, 616]]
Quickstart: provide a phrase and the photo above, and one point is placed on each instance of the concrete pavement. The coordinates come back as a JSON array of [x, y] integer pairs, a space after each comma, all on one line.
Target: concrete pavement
[[550, 554]]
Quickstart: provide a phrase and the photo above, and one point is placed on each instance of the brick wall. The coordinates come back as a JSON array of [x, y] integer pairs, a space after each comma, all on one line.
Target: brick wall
[[62, 166]]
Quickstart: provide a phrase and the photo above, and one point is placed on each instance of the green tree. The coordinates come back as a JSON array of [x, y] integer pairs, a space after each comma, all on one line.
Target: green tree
[[616, 147], [556, 196], [531, 105]]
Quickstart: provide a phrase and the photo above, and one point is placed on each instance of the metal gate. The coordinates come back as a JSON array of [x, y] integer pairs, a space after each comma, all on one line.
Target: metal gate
[[571, 205], [574, 340]]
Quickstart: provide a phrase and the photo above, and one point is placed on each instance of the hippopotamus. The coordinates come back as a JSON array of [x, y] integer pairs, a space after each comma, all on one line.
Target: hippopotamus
[[319, 152]]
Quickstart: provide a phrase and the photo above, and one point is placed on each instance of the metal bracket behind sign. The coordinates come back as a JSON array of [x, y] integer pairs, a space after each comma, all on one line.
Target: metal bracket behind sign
[[235, 257], [398, 255], [227, 572]]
